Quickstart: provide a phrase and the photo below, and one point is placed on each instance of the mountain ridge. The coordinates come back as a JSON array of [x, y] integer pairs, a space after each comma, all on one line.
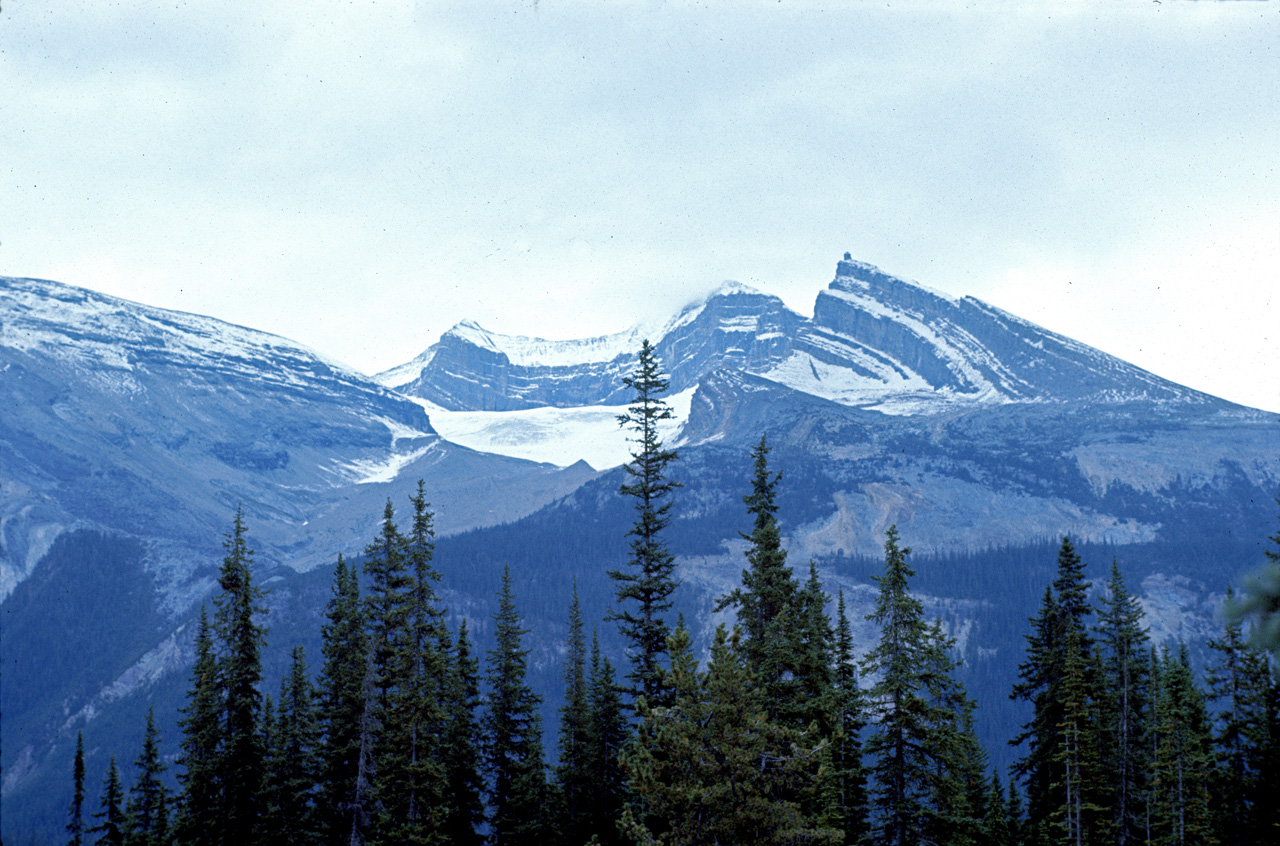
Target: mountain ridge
[[875, 340]]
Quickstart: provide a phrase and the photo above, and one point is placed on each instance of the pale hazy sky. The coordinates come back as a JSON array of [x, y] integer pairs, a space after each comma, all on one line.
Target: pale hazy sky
[[359, 176]]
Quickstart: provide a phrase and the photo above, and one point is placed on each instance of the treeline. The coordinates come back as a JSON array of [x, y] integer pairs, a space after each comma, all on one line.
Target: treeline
[[785, 736]]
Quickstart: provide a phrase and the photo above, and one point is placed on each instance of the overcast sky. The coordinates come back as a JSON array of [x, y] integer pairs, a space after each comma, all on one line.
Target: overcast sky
[[359, 176]]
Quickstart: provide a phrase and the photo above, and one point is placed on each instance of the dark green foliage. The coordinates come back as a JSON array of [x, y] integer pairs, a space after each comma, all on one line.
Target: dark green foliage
[[292, 761], [606, 733], [75, 814], [199, 820], [845, 776], [512, 734], [240, 640], [1239, 681], [410, 784], [644, 589], [147, 813], [1124, 711], [461, 755], [712, 768], [919, 741], [575, 715], [341, 705], [1060, 678], [387, 611], [768, 600], [1180, 799], [111, 827], [999, 828]]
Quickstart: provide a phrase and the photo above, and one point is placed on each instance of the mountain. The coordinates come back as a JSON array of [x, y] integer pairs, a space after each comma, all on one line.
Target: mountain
[[129, 435], [159, 424], [874, 341]]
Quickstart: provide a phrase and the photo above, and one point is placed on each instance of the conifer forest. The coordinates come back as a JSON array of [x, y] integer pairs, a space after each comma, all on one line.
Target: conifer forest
[[783, 730]]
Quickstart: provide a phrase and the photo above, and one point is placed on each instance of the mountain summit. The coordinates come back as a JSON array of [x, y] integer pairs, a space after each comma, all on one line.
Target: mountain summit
[[875, 341]]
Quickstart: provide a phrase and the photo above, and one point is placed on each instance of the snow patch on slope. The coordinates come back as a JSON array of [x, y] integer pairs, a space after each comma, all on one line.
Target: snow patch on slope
[[561, 436], [373, 471]]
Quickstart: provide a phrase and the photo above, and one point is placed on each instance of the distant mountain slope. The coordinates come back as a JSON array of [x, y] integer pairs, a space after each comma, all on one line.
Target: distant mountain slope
[[159, 424]]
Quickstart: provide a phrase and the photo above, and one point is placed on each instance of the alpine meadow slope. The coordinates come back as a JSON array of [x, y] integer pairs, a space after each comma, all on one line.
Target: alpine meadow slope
[[129, 436]]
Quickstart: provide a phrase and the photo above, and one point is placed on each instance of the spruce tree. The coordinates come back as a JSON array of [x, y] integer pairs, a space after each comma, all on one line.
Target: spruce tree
[[1123, 647], [148, 806], [1239, 680], [606, 734], [465, 804], [293, 758], [387, 606], [341, 705], [574, 728], [958, 762], [845, 774], [644, 589], [411, 785], [918, 744], [199, 821], [813, 668], [75, 814], [997, 824], [768, 600], [712, 768], [111, 829], [512, 741], [241, 639], [1181, 813], [1061, 672]]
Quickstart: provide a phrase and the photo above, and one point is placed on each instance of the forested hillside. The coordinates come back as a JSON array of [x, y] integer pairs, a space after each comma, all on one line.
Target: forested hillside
[[765, 724]]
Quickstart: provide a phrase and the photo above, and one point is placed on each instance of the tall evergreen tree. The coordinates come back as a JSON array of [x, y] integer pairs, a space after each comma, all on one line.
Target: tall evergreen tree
[[241, 638], [768, 599], [999, 827], [75, 814], [1180, 791], [512, 741], [147, 816], [845, 773], [644, 589], [462, 757], [958, 763], [712, 768], [111, 829], [1061, 673], [606, 733], [411, 785], [387, 606], [918, 742], [341, 705], [293, 763], [572, 772], [200, 821], [1123, 647], [1239, 680]]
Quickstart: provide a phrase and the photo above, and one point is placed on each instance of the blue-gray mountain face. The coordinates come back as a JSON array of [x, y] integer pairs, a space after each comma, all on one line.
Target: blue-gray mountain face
[[129, 435]]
